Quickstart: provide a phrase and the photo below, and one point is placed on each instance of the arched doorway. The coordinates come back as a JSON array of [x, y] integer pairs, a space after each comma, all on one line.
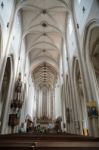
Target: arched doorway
[[4, 90]]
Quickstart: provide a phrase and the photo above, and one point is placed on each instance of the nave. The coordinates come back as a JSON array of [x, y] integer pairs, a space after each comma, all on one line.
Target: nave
[[49, 73]]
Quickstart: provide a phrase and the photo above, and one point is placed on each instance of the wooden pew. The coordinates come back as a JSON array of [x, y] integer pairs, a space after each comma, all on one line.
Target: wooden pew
[[30, 141]]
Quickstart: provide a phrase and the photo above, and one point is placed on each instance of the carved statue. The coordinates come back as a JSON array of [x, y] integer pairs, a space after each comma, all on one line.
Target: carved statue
[[16, 105], [17, 101], [18, 87]]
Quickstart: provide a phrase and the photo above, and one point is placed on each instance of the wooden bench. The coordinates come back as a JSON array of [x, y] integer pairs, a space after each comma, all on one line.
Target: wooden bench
[[29, 141]]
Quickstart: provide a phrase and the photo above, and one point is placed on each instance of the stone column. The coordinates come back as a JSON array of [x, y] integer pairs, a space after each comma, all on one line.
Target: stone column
[[71, 91], [64, 86], [53, 101], [49, 104], [40, 103], [68, 108], [37, 103], [87, 91]]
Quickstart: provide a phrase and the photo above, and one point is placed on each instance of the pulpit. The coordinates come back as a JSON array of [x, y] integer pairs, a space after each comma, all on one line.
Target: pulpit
[[16, 105]]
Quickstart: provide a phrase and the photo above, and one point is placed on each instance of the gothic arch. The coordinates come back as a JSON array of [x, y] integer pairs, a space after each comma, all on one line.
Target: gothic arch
[[87, 33], [90, 55], [5, 95], [79, 95]]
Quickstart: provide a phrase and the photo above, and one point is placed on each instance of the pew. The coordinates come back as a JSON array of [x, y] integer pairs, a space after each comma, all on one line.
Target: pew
[[30, 141]]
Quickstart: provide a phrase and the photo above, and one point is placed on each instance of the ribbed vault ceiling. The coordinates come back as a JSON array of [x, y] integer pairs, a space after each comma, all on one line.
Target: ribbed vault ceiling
[[43, 24], [45, 75]]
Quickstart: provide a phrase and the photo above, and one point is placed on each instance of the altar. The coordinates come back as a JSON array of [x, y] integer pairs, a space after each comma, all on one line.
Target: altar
[[44, 121]]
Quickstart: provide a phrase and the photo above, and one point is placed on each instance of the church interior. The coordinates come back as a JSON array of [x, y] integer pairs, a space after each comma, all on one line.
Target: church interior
[[49, 74]]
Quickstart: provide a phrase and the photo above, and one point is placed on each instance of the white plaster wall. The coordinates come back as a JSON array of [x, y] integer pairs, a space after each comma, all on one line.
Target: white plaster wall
[[80, 16], [14, 48], [65, 59], [71, 40], [5, 17]]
